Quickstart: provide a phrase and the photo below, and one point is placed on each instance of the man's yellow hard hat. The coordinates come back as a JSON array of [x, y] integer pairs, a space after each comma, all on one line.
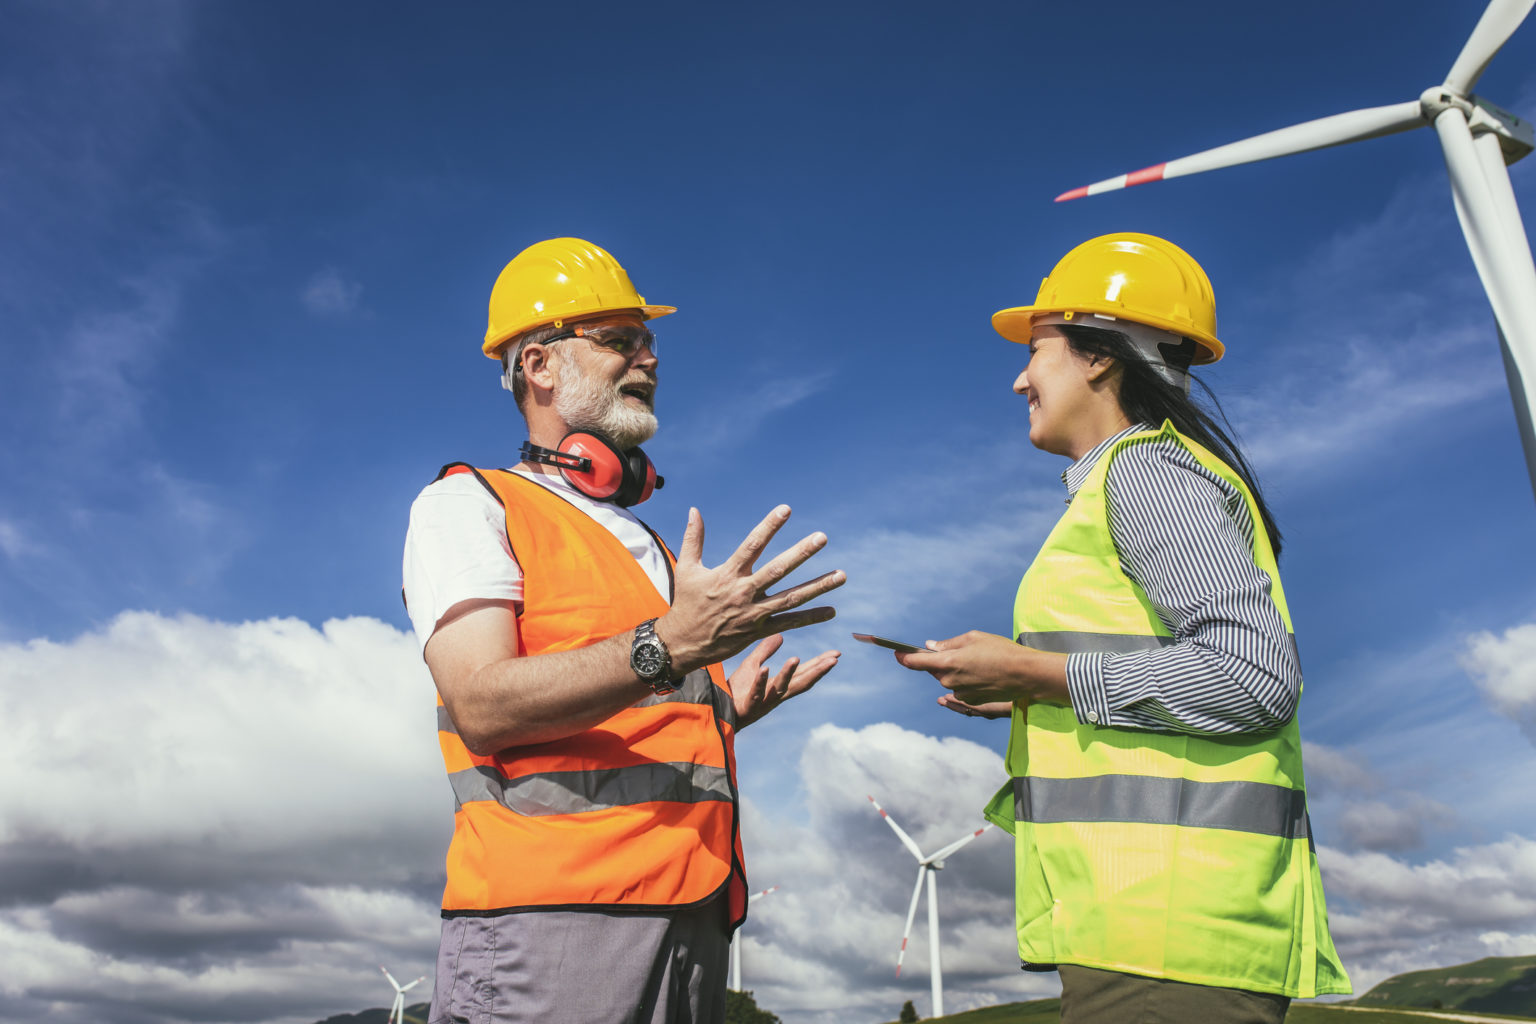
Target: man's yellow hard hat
[[557, 280], [1135, 277]]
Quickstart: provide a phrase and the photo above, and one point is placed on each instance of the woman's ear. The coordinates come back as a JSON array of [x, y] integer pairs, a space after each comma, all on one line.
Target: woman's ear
[[1101, 368]]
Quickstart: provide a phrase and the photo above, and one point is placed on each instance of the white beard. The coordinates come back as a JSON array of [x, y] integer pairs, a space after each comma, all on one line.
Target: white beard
[[586, 403]]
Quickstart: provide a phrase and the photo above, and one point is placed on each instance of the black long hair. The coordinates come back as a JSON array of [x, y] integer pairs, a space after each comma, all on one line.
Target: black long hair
[[1146, 397]]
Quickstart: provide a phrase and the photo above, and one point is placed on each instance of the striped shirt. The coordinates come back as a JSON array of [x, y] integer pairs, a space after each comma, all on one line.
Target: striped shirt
[[1184, 536]]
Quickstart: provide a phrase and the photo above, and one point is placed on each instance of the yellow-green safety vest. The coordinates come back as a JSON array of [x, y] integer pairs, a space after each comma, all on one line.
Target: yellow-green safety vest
[[1168, 855]]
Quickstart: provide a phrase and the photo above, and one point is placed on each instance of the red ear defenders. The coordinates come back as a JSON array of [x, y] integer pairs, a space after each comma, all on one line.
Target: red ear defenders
[[594, 466]]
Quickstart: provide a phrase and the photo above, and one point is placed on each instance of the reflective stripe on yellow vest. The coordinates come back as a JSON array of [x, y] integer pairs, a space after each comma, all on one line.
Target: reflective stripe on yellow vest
[[1169, 855], [638, 812]]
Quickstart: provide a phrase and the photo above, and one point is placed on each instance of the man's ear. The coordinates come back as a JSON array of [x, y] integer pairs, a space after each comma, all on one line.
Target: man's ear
[[538, 368]]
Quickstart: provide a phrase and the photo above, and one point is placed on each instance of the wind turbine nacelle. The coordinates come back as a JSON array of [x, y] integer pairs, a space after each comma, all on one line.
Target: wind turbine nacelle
[[1516, 138]]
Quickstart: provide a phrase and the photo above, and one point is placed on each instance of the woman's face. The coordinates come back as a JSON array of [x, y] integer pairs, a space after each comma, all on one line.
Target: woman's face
[[1061, 399]]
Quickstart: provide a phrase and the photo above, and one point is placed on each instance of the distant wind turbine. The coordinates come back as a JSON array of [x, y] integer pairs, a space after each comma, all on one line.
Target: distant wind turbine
[[736, 942], [397, 1008], [927, 868], [1479, 140]]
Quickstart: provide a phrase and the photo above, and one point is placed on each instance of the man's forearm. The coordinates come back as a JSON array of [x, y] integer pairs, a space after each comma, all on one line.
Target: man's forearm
[[535, 699]]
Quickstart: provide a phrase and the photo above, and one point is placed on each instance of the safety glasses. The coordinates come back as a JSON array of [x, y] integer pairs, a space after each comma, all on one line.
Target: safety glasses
[[623, 339]]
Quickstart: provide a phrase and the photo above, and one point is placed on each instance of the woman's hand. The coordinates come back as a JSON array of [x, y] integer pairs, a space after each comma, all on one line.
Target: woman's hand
[[983, 668], [996, 709]]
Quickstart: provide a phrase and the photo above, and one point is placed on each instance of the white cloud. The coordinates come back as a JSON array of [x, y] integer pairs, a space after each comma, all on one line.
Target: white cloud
[[1380, 329], [823, 948], [216, 821], [1382, 825], [1504, 668], [1329, 769], [1389, 916], [328, 293], [14, 541], [228, 822]]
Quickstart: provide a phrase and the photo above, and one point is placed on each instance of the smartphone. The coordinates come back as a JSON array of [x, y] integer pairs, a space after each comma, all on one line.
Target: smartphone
[[880, 641]]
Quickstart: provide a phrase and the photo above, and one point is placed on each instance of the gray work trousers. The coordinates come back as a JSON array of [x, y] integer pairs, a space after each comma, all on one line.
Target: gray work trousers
[[583, 967]]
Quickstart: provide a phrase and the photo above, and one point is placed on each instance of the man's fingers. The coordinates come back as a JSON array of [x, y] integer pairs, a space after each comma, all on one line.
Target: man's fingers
[[796, 596], [786, 676], [765, 649], [794, 620], [746, 553], [692, 548], [788, 561], [810, 672]]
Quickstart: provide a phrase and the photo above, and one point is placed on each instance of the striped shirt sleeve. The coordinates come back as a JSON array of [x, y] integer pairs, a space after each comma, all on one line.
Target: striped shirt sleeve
[[1184, 537]]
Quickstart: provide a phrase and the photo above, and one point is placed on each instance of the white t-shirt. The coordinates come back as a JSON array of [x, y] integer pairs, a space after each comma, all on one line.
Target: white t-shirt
[[456, 547]]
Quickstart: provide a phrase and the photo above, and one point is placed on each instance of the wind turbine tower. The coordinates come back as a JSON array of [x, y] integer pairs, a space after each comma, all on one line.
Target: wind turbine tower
[[1479, 141], [736, 942], [397, 1008], [928, 869]]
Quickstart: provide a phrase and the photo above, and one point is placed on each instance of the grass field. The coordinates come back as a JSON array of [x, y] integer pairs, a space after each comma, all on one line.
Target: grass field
[[1047, 1011]]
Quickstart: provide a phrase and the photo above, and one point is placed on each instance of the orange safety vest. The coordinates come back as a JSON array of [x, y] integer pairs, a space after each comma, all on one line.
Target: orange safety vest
[[638, 813]]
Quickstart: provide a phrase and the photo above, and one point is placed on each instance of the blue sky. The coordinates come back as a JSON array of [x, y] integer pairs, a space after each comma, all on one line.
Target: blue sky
[[246, 254]]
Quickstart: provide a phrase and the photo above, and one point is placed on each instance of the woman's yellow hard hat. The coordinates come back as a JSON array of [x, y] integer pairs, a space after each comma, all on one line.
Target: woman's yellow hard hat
[[1131, 276]]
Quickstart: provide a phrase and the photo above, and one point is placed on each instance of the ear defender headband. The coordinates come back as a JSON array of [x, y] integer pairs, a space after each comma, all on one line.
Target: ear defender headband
[[594, 466]]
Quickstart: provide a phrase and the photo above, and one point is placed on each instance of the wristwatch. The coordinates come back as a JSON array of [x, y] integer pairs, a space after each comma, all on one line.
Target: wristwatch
[[650, 659]]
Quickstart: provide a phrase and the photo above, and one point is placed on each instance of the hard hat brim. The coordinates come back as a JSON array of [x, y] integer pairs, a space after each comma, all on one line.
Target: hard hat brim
[[1015, 324], [493, 346]]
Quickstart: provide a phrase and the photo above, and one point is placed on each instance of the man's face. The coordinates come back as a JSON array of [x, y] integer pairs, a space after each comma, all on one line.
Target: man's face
[[606, 382]]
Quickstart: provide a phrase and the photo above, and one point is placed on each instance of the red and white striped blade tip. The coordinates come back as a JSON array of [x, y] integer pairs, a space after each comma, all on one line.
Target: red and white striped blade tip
[[1141, 177]]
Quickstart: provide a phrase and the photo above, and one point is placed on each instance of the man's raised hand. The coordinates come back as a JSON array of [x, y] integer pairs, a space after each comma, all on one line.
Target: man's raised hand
[[717, 612]]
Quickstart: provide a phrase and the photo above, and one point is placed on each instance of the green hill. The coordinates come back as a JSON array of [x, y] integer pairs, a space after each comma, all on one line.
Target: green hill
[[1496, 984], [415, 1014], [1504, 986]]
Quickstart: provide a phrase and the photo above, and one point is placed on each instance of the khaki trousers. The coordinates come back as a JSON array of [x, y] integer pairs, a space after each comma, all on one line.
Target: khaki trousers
[[1092, 996]]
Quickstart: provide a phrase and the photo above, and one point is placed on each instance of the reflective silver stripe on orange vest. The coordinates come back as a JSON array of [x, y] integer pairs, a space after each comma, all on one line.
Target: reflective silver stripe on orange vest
[[697, 688], [1074, 642], [1257, 807], [576, 792]]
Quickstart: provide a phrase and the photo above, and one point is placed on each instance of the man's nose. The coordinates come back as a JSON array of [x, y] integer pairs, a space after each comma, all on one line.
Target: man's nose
[[1021, 385]]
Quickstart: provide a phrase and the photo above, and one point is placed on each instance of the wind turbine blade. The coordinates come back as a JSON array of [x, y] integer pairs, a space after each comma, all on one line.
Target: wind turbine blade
[[1485, 205], [759, 895], [1498, 23], [413, 984], [906, 839], [391, 978], [1298, 138], [957, 844], [906, 932]]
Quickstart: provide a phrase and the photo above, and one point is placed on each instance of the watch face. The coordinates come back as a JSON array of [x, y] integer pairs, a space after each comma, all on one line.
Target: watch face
[[648, 660]]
